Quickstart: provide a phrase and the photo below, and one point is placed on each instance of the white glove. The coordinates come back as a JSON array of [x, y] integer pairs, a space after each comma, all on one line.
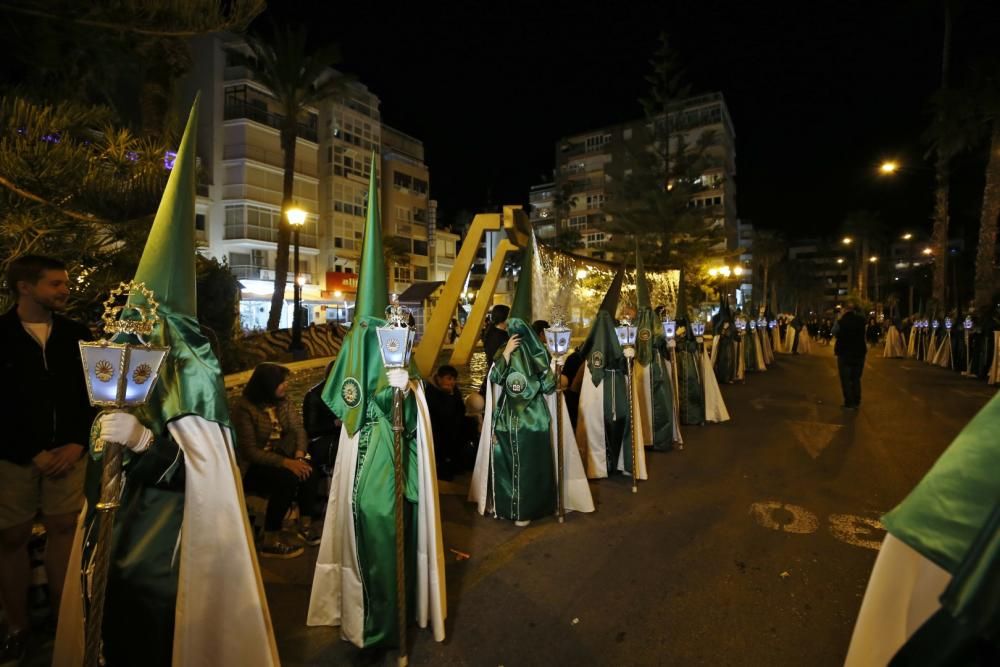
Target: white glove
[[399, 378], [123, 428], [671, 343], [629, 352]]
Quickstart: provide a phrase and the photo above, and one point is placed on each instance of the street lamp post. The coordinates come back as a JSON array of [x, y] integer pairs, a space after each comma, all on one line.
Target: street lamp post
[[296, 218]]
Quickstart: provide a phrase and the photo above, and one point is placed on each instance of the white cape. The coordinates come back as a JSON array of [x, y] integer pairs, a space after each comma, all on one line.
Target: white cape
[[902, 594], [715, 407], [575, 493], [221, 615], [911, 344], [931, 348], [590, 431], [761, 359], [894, 348], [942, 357], [805, 341], [338, 591]]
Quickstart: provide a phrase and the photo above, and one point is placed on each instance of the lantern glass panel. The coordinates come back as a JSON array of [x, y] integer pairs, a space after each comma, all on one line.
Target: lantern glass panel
[[143, 370]]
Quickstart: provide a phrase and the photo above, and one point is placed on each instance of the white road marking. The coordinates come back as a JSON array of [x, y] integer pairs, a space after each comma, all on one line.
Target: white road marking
[[813, 436], [866, 532], [769, 514], [859, 531]]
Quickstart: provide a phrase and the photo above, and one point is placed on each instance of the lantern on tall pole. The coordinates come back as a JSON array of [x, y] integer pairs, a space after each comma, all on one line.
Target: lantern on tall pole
[[557, 338], [626, 333], [121, 371], [967, 326], [395, 342]]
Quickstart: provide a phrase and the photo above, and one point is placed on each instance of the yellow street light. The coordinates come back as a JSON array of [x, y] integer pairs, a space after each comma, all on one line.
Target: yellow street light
[[847, 240], [840, 260], [713, 272], [738, 270], [296, 216], [907, 236], [725, 271], [337, 294], [889, 167], [873, 258], [927, 251]]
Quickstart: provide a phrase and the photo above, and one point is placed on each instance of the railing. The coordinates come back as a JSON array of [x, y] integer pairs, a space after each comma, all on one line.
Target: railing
[[273, 158], [252, 192], [235, 109], [235, 231]]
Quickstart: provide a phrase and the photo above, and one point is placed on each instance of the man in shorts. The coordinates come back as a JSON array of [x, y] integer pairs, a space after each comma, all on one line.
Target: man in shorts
[[47, 418]]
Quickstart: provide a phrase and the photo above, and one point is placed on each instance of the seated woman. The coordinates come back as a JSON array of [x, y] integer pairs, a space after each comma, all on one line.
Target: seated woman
[[271, 446]]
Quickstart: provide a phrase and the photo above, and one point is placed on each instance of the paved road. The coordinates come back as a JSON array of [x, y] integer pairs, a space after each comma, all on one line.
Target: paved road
[[752, 546]]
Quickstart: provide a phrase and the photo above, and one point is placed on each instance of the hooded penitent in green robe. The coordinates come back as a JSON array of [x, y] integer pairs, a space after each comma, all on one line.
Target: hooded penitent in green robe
[[155, 610], [950, 519], [725, 351], [691, 393], [604, 368], [522, 472], [354, 585]]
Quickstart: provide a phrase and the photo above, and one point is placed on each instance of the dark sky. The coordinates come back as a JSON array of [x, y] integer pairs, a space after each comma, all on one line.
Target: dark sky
[[819, 91]]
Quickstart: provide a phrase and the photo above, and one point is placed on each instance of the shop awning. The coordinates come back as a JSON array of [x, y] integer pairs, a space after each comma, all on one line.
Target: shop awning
[[419, 292]]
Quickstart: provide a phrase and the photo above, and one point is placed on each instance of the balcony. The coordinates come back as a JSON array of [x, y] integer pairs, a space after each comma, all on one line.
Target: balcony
[[238, 231], [272, 158], [237, 110]]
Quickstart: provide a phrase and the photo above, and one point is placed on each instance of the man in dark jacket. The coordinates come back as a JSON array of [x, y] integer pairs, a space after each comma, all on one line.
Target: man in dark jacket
[[452, 443], [850, 350], [47, 418]]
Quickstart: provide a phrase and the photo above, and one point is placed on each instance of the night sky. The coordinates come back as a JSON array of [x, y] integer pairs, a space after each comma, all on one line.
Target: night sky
[[819, 91]]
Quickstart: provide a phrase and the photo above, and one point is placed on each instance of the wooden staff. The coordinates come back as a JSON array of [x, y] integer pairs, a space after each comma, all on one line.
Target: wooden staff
[[397, 436], [111, 490], [631, 417], [560, 464]]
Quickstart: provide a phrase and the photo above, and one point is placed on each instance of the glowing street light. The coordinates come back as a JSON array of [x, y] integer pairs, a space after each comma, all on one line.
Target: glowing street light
[[840, 260], [873, 259], [907, 236], [847, 240], [889, 167], [927, 251], [738, 271]]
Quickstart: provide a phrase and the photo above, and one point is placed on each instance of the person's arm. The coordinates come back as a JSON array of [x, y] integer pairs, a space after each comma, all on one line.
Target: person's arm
[[294, 423]]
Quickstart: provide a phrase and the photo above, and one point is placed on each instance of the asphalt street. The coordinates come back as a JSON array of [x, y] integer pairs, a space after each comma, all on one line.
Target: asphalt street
[[751, 546]]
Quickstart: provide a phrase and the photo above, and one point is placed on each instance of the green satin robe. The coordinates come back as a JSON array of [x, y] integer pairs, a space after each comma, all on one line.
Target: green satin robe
[[522, 471], [691, 392]]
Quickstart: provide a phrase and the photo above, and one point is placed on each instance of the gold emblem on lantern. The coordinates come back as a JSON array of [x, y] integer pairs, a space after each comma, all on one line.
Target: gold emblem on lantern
[[141, 373], [392, 345], [104, 371]]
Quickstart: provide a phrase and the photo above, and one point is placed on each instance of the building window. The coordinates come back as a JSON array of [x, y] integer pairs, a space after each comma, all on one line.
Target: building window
[[420, 248], [627, 133], [577, 222], [199, 222], [401, 180], [596, 142], [420, 273], [402, 274], [596, 201], [420, 186]]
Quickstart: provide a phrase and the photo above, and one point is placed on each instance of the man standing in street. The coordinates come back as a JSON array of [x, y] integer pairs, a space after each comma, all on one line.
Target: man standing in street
[[850, 350], [47, 419]]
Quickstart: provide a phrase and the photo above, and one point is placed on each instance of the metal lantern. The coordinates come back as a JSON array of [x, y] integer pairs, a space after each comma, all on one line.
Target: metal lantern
[[395, 339], [967, 323], [741, 324], [762, 323], [772, 324], [669, 329], [626, 333], [753, 325], [698, 328], [947, 323], [557, 339], [121, 374], [935, 325]]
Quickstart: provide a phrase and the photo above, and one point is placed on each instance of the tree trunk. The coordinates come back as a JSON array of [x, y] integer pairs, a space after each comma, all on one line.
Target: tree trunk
[[288, 137], [763, 290], [939, 236], [863, 270], [986, 250]]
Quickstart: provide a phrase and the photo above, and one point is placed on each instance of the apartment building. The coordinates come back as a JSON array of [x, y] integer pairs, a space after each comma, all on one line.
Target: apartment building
[[543, 212], [239, 202], [588, 162]]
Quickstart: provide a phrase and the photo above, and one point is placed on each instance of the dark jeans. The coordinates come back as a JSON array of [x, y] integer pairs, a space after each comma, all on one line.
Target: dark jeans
[[850, 379], [281, 487]]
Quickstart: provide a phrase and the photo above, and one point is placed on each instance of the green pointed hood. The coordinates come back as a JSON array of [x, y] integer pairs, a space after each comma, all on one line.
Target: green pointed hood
[[522, 293], [373, 292], [645, 317], [358, 372], [950, 506], [610, 302], [190, 381], [601, 349]]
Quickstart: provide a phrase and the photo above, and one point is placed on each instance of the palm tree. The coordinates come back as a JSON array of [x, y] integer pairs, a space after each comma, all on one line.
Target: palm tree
[[943, 155], [863, 228], [297, 77], [768, 248]]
